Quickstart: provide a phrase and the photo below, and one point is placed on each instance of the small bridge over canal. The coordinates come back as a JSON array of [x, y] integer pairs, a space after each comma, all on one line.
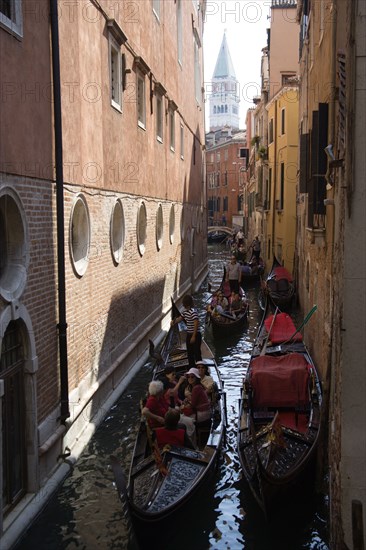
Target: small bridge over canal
[[219, 229]]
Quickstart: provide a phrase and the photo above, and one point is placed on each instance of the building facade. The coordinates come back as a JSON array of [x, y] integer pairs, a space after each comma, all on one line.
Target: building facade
[[331, 241], [226, 165], [272, 178], [329, 110], [279, 191], [103, 217]]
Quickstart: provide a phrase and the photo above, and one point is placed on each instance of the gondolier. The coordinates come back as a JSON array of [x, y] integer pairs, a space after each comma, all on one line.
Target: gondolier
[[256, 246], [194, 338], [233, 274]]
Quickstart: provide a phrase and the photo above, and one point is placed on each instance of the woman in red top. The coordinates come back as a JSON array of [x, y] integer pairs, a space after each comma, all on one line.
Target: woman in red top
[[156, 405], [199, 404], [171, 434]]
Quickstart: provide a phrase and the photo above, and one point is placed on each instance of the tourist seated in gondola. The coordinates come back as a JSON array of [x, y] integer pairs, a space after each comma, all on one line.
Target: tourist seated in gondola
[[236, 304], [173, 388], [198, 406], [219, 304], [172, 433], [156, 405], [206, 380], [246, 269]]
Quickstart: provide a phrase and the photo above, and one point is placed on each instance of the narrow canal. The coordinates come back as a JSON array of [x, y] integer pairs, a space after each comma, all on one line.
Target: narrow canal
[[86, 513]]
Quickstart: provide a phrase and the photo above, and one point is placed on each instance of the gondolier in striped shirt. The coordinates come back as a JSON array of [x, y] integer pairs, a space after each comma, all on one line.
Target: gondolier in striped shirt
[[194, 338]]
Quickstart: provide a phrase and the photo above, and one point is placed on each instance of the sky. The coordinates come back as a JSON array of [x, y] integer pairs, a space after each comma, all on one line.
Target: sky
[[245, 22]]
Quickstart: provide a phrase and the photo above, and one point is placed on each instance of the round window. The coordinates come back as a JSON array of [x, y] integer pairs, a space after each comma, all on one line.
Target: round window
[[117, 232], [159, 227], [14, 252], [141, 228], [80, 235]]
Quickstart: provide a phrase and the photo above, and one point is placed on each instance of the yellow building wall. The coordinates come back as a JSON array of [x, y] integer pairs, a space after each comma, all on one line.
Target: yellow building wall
[[283, 150]]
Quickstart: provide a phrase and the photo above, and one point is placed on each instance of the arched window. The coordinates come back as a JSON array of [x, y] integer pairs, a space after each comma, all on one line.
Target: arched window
[[13, 417]]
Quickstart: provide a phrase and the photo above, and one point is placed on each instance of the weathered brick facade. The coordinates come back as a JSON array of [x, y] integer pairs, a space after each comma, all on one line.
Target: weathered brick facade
[[116, 61]]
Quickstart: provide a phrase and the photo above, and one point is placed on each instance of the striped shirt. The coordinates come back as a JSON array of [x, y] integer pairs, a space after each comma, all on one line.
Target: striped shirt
[[190, 316]]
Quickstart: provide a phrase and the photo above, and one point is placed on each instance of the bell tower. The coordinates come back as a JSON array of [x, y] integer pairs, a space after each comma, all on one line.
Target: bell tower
[[224, 99]]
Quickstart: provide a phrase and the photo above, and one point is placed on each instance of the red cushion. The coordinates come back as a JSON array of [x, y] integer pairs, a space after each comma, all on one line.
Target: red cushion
[[280, 381], [282, 329]]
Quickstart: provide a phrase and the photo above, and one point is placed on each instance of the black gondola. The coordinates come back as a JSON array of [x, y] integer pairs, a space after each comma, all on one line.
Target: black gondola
[[249, 280], [225, 323], [279, 286], [162, 482], [217, 237], [280, 411]]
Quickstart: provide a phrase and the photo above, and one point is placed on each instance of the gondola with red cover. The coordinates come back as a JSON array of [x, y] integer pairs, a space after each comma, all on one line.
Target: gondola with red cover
[[280, 411], [279, 287]]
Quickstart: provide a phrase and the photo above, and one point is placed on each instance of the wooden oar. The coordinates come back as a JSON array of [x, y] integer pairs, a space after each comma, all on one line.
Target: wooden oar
[[313, 309], [269, 332], [121, 485]]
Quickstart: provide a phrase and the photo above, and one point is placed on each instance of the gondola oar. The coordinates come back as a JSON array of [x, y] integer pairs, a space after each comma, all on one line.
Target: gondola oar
[[121, 485], [263, 351], [313, 309]]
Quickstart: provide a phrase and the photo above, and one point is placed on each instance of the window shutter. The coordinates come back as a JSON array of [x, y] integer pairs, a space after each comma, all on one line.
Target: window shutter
[[304, 163], [342, 102]]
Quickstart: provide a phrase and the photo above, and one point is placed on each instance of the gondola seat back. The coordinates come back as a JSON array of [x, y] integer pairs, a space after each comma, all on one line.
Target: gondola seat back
[[280, 382]]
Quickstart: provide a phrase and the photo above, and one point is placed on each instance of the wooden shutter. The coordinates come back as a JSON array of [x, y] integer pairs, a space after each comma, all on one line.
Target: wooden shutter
[[304, 163]]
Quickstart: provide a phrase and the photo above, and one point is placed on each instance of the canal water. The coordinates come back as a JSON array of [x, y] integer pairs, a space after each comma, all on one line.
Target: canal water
[[86, 514]]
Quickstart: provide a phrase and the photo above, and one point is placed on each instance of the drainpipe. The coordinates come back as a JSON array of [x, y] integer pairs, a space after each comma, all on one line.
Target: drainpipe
[[62, 325]]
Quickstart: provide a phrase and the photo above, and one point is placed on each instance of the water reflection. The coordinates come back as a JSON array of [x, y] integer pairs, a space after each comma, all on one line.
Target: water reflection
[[86, 513]]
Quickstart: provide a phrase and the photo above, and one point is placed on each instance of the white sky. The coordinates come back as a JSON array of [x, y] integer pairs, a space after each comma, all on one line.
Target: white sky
[[245, 22]]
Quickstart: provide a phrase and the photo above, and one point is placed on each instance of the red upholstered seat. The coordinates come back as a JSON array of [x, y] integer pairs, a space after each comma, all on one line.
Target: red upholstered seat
[[280, 381], [283, 328], [282, 273]]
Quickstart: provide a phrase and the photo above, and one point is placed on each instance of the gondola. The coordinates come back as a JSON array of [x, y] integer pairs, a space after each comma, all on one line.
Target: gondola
[[249, 280], [225, 323], [280, 412], [279, 286], [217, 237], [163, 482]]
